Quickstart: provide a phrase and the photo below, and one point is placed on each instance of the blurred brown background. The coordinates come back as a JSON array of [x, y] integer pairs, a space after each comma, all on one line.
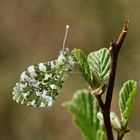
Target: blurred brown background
[[32, 31]]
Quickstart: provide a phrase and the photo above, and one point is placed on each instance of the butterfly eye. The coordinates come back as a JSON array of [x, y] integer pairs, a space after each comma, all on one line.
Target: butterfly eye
[[39, 84]]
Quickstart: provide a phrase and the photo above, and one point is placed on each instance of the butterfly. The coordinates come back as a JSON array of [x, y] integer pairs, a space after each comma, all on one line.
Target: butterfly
[[39, 84]]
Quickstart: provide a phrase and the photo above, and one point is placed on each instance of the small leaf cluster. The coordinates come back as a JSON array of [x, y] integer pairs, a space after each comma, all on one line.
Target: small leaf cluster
[[95, 68]]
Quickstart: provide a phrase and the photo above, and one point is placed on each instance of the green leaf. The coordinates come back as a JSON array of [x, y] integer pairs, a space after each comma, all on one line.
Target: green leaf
[[126, 99], [101, 135], [84, 66], [84, 109], [99, 64]]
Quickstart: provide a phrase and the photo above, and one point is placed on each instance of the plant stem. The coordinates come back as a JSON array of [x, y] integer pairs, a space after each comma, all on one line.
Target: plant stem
[[114, 51], [105, 108], [121, 134]]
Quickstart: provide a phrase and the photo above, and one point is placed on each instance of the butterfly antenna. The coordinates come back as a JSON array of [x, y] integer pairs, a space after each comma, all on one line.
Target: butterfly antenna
[[65, 36]]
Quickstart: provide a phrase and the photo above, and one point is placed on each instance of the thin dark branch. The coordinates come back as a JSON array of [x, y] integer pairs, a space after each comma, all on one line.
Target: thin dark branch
[[114, 51], [98, 96], [105, 107], [123, 33], [121, 134]]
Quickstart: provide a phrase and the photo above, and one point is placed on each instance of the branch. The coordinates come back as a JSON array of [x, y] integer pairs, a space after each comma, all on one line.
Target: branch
[[121, 134], [105, 107], [98, 93], [114, 51]]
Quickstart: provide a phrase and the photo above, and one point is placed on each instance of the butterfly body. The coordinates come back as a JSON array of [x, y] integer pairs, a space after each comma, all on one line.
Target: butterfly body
[[39, 84]]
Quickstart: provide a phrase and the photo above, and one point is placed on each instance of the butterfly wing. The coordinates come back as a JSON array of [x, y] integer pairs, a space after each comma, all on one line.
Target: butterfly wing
[[39, 84]]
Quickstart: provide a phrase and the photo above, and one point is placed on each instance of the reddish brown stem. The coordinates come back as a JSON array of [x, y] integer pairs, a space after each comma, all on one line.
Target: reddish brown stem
[[105, 107], [114, 51]]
